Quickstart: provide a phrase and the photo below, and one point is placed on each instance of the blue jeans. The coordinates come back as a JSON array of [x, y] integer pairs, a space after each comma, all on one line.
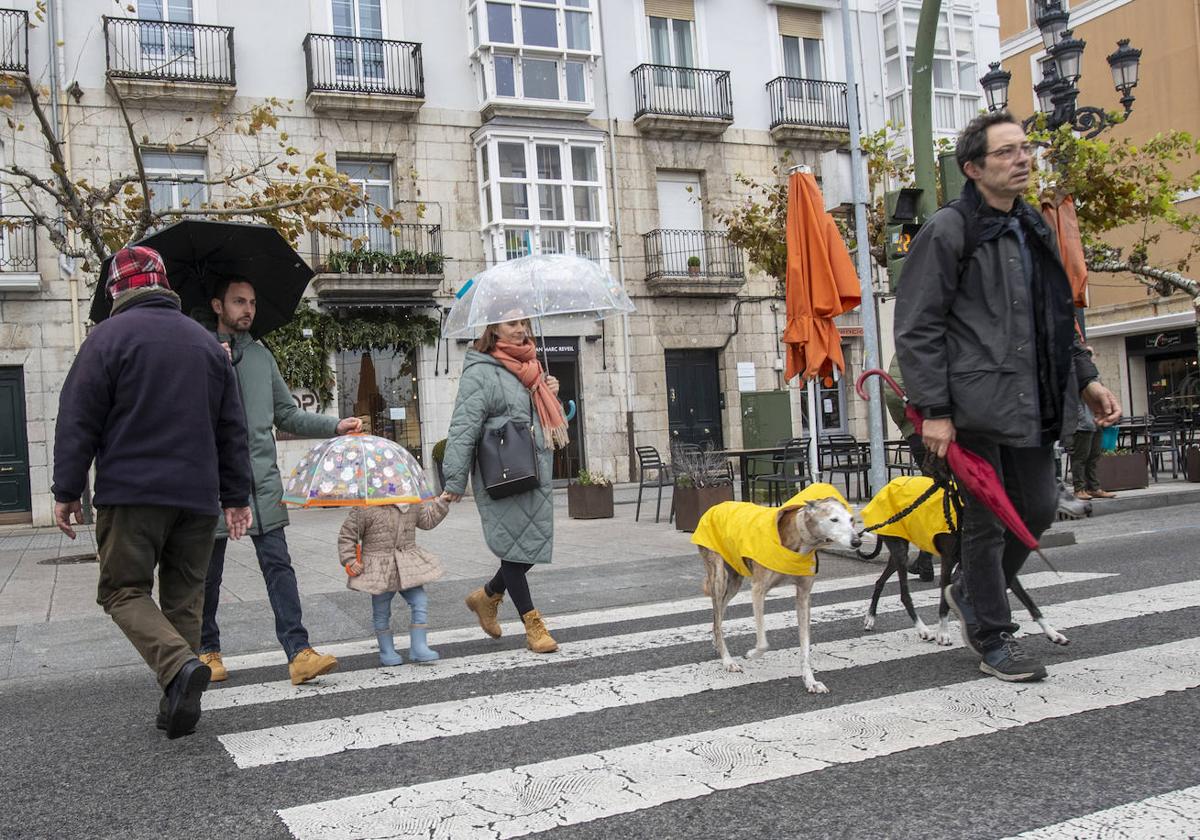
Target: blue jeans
[[381, 607], [284, 594]]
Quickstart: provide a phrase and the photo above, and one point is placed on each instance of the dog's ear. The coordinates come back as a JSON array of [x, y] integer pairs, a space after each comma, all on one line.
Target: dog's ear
[[785, 524]]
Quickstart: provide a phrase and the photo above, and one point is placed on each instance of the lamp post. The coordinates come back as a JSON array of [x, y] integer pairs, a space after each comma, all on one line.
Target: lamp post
[[1057, 91]]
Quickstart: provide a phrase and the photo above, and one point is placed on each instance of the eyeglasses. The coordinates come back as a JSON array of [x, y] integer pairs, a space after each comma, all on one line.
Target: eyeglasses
[[1010, 152]]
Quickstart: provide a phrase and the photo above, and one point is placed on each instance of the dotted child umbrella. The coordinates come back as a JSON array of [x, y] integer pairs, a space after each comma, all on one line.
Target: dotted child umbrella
[[357, 470]]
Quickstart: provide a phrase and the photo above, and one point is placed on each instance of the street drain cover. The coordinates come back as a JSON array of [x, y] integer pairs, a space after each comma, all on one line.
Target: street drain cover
[[69, 560]]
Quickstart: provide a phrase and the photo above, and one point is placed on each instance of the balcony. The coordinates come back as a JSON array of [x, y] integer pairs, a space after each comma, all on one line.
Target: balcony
[[375, 266], [176, 62], [681, 101], [692, 263], [352, 75], [809, 111], [14, 43], [18, 254]]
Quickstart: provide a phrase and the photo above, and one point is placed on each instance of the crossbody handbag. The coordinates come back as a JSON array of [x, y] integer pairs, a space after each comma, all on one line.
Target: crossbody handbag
[[507, 458]]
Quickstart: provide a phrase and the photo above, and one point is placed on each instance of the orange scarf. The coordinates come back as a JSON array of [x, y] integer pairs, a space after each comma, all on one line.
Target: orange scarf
[[521, 361]]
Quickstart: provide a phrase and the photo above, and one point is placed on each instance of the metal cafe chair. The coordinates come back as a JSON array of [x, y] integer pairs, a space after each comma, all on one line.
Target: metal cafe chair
[[652, 472], [790, 469]]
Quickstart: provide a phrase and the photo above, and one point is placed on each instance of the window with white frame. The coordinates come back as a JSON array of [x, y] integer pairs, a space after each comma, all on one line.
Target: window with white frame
[[355, 20], [374, 178], [956, 95], [176, 179], [536, 51], [542, 196], [801, 34], [162, 45]]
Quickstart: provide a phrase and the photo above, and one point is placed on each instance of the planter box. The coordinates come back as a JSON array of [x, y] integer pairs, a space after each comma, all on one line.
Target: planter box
[[1123, 472], [590, 501], [691, 503]]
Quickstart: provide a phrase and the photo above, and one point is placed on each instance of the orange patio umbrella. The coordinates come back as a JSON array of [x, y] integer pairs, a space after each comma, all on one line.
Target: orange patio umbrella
[[1061, 217], [821, 283]]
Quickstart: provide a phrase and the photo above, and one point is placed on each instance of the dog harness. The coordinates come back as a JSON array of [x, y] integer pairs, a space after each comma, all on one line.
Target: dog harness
[[742, 529], [919, 526]]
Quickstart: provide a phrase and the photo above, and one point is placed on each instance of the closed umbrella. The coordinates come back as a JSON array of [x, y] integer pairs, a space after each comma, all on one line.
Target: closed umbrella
[[821, 284]]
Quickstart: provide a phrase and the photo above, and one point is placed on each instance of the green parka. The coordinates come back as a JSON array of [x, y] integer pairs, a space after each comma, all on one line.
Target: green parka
[[520, 528], [268, 404]]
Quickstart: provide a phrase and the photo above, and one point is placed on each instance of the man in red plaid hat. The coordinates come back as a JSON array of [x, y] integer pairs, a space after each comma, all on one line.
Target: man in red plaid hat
[[154, 401]]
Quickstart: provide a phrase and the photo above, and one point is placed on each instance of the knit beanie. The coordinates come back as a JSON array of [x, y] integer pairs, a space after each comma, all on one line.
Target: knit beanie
[[135, 267]]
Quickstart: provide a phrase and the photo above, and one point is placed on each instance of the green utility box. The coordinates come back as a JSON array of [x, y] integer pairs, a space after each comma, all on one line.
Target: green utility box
[[766, 418]]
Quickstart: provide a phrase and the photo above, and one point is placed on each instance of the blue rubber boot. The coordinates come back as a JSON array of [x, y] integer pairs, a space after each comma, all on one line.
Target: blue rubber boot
[[381, 615], [418, 647]]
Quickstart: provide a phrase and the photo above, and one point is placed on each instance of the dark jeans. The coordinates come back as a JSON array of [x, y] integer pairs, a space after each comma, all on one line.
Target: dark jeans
[[991, 555], [510, 578], [284, 594], [1085, 452], [133, 540]]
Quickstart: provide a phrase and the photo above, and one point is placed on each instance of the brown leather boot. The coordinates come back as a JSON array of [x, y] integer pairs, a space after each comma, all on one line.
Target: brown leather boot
[[485, 606], [537, 637]]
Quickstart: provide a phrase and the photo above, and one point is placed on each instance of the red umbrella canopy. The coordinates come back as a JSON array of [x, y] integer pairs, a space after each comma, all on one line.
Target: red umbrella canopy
[[821, 283]]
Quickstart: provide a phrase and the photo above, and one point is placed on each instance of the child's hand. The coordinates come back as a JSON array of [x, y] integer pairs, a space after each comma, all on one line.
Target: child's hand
[[354, 568]]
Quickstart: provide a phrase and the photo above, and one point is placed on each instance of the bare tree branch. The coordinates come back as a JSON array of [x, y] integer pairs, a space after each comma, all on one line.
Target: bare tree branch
[[146, 220]]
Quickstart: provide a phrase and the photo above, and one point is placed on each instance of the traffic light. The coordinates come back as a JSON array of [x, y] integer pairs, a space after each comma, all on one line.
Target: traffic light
[[902, 225]]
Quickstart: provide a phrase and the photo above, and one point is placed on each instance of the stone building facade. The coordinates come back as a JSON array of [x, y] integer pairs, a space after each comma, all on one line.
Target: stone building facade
[[613, 131]]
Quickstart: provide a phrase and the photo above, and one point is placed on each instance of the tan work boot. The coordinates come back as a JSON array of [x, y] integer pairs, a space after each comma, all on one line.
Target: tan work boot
[[309, 664], [537, 637], [213, 660], [485, 607]]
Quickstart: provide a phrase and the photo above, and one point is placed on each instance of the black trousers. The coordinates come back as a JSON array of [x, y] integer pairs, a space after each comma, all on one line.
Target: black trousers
[[991, 555]]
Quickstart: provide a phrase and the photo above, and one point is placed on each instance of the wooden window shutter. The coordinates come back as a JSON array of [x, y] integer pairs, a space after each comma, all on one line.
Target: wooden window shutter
[[677, 9], [799, 23]]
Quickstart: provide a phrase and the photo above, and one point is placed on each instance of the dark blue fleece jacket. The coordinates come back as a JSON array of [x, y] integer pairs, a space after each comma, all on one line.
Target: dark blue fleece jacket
[[153, 398]]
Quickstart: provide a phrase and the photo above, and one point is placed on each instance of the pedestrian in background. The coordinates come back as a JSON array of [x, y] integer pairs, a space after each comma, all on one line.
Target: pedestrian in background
[[268, 403], [985, 333], [1085, 454], [378, 548], [153, 400], [502, 380]]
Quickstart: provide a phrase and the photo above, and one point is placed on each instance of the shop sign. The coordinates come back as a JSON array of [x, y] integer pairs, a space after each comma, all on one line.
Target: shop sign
[[568, 346]]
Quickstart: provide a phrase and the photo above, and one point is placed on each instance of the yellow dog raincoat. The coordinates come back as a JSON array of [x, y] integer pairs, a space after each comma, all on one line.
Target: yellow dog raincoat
[[741, 529], [919, 527]]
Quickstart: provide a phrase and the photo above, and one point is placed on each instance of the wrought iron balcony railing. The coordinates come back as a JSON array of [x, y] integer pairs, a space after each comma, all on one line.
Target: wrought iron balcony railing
[[14, 41], [807, 102], [371, 248], [682, 92], [162, 51], [363, 65], [18, 244], [691, 253]]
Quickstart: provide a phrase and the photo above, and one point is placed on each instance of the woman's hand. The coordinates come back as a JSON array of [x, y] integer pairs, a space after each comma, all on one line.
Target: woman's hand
[[552, 384], [451, 497]]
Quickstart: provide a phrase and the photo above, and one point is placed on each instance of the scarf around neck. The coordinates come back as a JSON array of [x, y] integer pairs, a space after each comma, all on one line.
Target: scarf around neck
[[521, 361]]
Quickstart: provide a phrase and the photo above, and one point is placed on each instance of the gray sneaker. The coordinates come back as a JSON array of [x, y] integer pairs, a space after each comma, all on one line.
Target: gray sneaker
[[966, 617], [1008, 661]]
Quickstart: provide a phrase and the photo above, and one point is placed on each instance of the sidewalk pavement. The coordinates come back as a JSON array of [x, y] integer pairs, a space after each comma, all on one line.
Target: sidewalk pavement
[[50, 622]]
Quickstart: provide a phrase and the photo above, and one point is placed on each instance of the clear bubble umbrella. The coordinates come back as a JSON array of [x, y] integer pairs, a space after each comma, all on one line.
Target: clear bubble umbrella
[[559, 292], [357, 470]]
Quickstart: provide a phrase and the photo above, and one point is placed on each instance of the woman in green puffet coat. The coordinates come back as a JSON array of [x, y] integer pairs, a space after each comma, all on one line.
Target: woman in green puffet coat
[[502, 380]]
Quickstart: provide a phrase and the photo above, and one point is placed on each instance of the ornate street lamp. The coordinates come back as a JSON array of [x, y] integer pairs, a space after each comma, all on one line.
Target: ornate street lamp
[[1057, 91]]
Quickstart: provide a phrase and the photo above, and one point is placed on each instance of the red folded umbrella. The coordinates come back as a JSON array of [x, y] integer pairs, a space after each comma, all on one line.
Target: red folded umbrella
[[973, 472]]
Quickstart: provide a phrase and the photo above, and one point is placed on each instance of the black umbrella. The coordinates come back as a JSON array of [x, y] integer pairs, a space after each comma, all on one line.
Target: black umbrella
[[199, 253]]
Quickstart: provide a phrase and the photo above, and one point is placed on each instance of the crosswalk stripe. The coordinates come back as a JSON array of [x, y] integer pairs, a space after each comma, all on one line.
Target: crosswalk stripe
[[1170, 815], [476, 714], [588, 618], [523, 800], [370, 678]]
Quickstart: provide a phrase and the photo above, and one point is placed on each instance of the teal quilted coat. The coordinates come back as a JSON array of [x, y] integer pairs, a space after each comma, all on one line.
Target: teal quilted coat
[[520, 528]]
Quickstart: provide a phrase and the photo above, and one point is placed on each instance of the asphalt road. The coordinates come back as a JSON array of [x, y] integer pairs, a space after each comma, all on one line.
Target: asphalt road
[[633, 730]]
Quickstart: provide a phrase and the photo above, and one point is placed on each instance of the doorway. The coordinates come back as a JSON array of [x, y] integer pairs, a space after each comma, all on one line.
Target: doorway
[[694, 399], [15, 506], [562, 359], [380, 386]]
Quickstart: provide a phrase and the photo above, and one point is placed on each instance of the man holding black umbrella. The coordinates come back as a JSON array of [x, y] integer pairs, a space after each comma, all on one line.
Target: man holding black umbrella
[[985, 333], [268, 404]]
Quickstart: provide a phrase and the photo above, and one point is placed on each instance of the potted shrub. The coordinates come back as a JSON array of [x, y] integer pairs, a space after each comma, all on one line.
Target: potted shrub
[[590, 496], [357, 261], [438, 453], [402, 261], [336, 262], [433, 263], [693, 264], [1123, 469], [701, 481]]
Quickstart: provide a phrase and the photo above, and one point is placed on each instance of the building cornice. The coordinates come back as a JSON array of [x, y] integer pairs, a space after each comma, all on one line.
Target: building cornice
[[1032, 38]]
